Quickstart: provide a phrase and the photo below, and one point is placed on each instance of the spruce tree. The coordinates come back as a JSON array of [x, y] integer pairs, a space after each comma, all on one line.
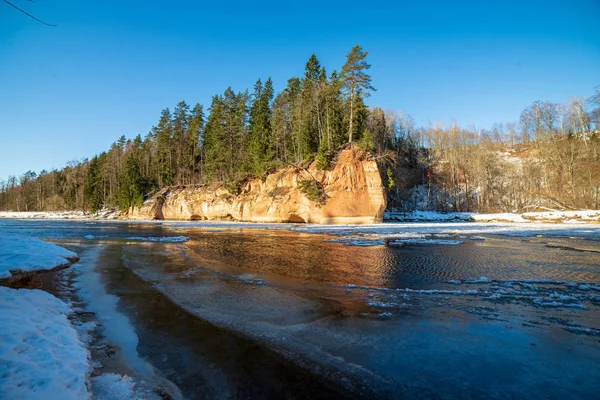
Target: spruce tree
[[164, 136], [93, 189], [193, 140], [214, 144], [259, 144], [133, 185], [180, 125]]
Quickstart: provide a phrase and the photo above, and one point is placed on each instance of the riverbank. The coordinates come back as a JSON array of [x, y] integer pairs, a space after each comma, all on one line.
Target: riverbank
[[45, 351], [554, 217]]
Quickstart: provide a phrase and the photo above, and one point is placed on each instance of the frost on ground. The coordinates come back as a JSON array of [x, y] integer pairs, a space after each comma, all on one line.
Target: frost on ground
[[41, 356], [25, 254]]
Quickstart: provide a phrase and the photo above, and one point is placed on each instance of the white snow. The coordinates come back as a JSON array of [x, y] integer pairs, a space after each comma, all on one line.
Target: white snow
[[44, 215], [554, 216], [26, 254], [120, 387], [58, 215], [41, 356]]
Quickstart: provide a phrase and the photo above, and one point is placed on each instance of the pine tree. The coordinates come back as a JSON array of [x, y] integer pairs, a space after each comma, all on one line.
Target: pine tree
[[180, 126], [193, 143], [334, 112], [164, 134], [133, 185], [93, 189], [259, 143], [356, 83], [213, 144]]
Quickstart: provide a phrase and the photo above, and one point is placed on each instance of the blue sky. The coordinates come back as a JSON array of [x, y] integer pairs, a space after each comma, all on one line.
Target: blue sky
[[109, 67]]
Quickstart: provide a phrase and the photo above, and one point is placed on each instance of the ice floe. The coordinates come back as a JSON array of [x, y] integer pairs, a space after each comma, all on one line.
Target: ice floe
[[161, 239]]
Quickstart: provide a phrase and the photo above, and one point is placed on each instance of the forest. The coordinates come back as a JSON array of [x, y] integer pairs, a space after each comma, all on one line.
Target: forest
[[548, 159]]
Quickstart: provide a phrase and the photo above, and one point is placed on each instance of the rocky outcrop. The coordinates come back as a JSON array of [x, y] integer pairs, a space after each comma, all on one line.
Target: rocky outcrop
[[351, 192]]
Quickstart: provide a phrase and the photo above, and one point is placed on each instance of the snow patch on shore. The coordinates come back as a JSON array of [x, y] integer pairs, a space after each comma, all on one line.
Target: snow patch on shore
[[26, 254], [554, 216], [59, 215], [41, 356]]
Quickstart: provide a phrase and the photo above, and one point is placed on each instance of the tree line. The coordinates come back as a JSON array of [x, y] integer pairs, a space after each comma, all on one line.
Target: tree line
[[549, 158], [243, 134]]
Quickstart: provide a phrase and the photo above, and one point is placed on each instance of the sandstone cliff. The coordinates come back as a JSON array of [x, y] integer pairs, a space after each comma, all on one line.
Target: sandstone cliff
[[353, 194]]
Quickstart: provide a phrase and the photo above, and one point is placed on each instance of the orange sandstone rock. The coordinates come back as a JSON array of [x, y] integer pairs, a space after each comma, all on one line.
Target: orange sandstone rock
[[353, 189]]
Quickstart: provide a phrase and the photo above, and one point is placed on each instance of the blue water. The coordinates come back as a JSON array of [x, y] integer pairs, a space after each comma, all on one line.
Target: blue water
[[503, 314]]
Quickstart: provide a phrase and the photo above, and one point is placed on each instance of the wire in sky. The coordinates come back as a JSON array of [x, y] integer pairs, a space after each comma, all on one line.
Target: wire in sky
[[26, 13]]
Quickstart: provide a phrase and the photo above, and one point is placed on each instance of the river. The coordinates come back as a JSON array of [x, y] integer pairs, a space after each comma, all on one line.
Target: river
[[447, 310]]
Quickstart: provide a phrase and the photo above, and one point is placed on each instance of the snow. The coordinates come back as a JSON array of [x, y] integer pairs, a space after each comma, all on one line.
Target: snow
[[119, 387], [59, 215], [44, 215], [554, 216], [41, 356], [26, 254]]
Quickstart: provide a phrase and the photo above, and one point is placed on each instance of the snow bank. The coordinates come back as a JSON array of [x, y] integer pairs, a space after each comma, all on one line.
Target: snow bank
[[553, 216], [25, 254], [72, 215], [44, 215], [41, 356]]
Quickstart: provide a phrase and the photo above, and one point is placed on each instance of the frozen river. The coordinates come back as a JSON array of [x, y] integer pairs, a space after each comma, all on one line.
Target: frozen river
[[446, 310]]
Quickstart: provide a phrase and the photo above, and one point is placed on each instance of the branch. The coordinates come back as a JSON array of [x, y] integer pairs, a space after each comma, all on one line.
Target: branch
[[26, 13]]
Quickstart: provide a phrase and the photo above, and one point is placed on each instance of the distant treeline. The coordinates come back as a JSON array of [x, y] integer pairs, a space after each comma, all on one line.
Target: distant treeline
[[550, 158]]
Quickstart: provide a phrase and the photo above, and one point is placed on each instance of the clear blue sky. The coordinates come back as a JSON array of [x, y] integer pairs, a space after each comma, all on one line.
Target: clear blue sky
[[109, 67]]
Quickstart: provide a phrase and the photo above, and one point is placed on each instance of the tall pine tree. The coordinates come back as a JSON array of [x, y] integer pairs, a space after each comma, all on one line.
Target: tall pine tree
[[356, 84]]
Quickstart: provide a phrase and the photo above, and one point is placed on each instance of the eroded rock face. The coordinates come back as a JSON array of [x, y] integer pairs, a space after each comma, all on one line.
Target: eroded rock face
[[353, 188]]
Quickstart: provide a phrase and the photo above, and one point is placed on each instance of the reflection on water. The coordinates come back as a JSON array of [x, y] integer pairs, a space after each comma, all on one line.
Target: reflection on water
[[311, 257]]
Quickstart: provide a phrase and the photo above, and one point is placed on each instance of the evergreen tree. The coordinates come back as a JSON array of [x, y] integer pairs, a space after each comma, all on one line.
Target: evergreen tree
[[164, 135], [356, 84], [214, 144], [180, 126], [334, 113], [93, 189], [193, 143], [133, 185], [260, 146]]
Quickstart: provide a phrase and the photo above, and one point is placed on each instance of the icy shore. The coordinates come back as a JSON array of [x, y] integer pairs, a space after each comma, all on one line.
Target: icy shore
[[59, 215], [580, 216], [41, 356], [20, 254]]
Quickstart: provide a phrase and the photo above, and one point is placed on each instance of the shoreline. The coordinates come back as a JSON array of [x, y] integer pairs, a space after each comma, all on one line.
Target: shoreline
[[548, 217]]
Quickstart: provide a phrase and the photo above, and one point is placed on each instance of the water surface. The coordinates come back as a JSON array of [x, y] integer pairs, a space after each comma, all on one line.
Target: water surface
[[295, 311]]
